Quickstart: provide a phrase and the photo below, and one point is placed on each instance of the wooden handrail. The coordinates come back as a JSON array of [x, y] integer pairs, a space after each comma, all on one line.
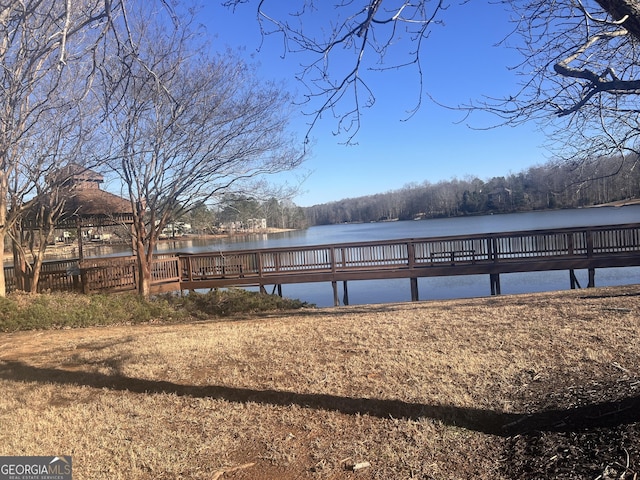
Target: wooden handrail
[[581, 247], [496, 248]]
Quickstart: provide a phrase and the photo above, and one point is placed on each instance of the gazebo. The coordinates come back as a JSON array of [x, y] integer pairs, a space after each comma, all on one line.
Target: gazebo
[[85, 205]]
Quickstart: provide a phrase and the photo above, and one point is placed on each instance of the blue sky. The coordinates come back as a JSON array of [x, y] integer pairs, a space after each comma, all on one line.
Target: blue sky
[[461, 64]]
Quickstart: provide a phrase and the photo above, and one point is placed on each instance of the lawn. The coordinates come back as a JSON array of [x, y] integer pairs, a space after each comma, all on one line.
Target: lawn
[[524, 386]]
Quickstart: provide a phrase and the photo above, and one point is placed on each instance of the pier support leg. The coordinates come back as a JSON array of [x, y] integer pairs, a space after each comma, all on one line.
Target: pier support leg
[[573, 280], [414, 289], [336, 300], [494, 279], [592, 278], [263, 290], [345, 293], [280, 290]]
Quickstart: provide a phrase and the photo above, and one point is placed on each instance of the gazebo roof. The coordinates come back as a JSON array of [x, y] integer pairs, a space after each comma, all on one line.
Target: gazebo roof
[[86, 205], [95, 207]]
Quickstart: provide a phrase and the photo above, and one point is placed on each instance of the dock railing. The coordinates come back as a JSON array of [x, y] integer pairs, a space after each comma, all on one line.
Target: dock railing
[[467, 250], [487, 253]]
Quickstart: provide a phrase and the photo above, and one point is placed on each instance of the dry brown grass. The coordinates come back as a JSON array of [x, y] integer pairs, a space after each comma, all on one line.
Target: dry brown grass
[[420, 390]]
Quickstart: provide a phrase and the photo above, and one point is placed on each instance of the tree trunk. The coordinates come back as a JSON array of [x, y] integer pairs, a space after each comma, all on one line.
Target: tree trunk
[[19, 264], [3, 230], [144, 278], [3, 285], [144, 258], [44, 235], [36, 268]]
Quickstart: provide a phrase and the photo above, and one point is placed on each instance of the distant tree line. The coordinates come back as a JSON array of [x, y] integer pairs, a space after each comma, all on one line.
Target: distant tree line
[[550, 186]]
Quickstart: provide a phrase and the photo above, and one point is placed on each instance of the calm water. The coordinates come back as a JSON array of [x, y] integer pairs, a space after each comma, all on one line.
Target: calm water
[[385, 291]]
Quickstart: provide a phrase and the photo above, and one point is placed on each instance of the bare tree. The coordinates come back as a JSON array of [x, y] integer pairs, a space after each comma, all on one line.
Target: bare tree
[[45, 48], [64, 136], [31, 235], [185, 127]]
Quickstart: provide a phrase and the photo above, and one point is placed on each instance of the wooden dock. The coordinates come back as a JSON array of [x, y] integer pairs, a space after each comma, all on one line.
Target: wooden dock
[[490, 254]]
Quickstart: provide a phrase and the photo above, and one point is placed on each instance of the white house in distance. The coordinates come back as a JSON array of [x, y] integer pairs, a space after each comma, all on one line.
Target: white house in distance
[[252, 225], [176, 229]]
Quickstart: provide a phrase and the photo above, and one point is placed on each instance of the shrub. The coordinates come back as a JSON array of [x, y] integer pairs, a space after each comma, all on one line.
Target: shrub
[[223, 303], [21, 311]]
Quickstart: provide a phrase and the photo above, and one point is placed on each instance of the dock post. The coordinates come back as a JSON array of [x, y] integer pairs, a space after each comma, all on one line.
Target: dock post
[[280, 290], [336, 300], [345, 293], [494, 279], [592, 278], [414, 289], [573, 279]]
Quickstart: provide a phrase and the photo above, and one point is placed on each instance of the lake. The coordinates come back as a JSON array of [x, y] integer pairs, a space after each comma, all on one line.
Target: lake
[[386, 291]]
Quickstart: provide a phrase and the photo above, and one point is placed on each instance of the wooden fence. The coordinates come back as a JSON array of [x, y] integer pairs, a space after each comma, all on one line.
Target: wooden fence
[[55, 276]]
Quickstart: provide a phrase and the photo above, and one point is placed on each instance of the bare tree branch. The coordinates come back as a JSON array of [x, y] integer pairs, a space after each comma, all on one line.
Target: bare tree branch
[[625, 13], [338, 58]]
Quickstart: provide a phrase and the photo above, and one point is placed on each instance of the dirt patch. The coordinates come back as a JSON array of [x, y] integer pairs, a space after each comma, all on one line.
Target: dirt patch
[[528, 386]]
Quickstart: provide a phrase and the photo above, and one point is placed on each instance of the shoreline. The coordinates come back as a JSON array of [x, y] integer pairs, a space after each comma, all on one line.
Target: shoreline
[[63, 250]]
